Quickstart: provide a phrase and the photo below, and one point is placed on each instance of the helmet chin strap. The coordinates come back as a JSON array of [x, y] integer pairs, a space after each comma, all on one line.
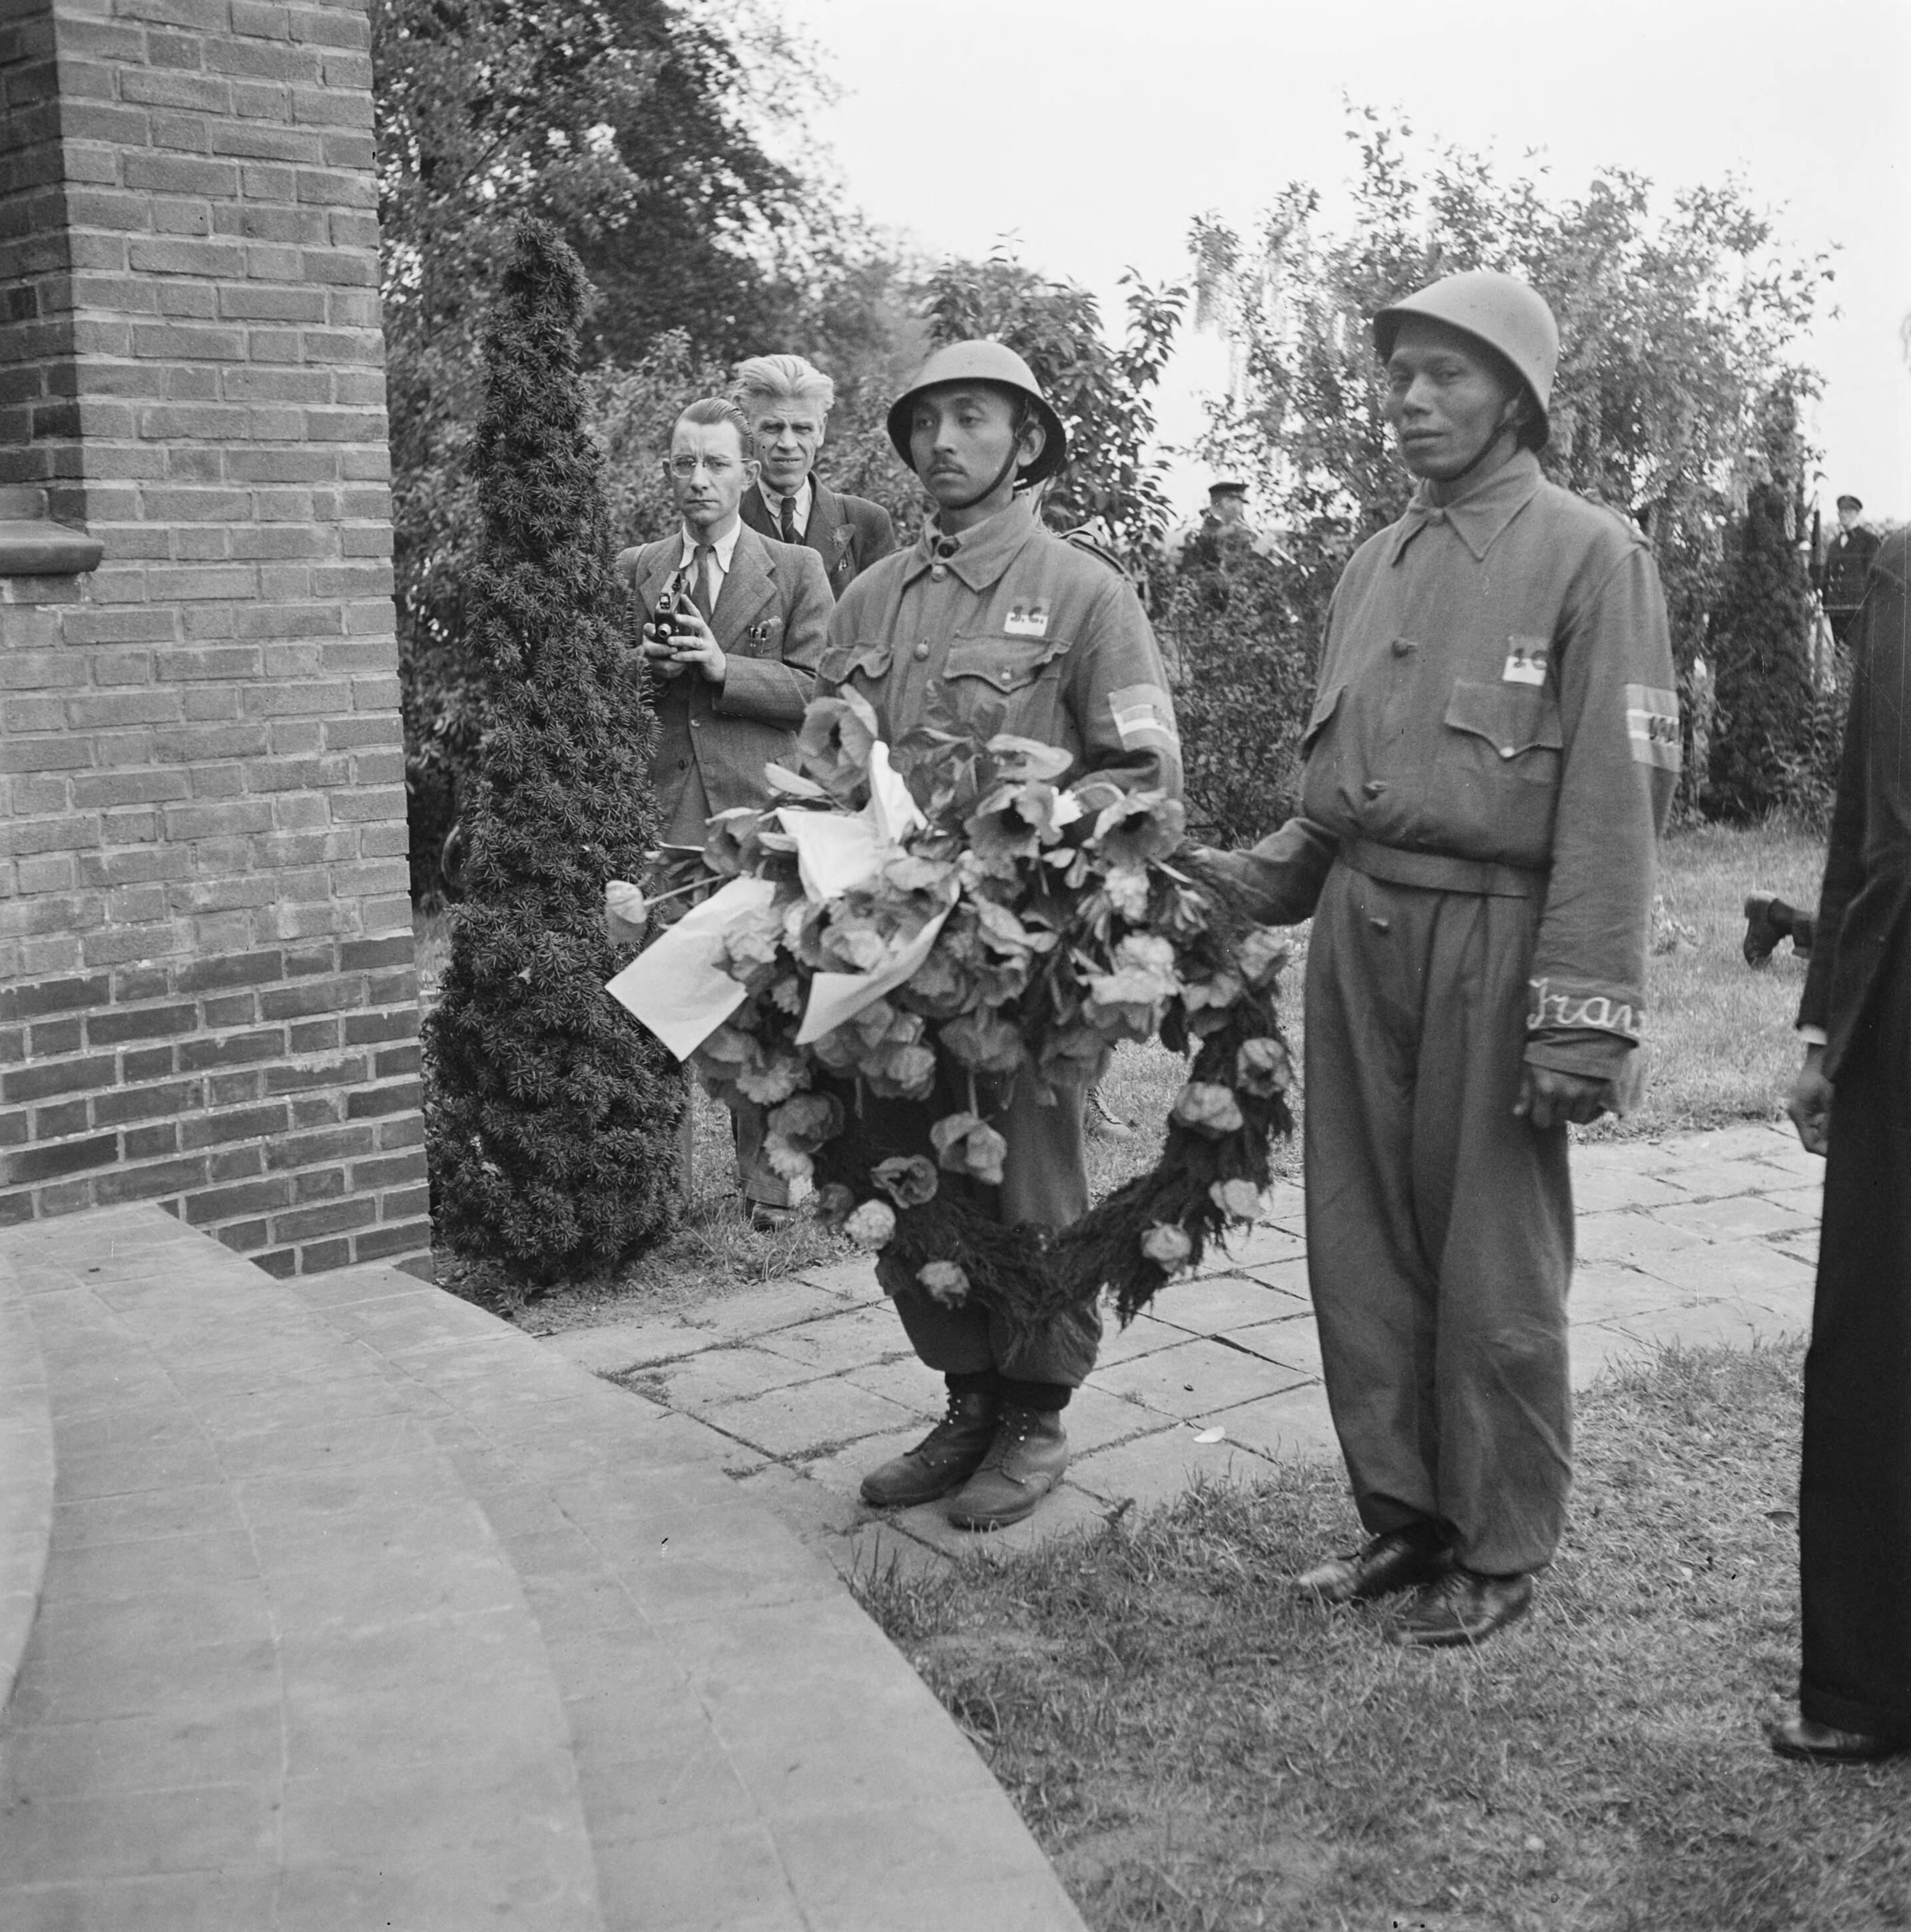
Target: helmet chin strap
[[989, 489]]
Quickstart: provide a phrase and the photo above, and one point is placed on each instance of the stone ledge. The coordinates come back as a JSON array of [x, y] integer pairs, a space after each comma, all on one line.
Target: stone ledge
[[31, 545]]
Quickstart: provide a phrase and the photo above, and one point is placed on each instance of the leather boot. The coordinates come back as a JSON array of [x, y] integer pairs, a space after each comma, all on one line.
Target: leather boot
[[1024, 1463], [943, 1460]]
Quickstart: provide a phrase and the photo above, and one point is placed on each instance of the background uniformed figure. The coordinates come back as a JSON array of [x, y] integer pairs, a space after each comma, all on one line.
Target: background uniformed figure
[[731, 679], [1493, 750], [786, 401], [1847, 566], [988, 615]]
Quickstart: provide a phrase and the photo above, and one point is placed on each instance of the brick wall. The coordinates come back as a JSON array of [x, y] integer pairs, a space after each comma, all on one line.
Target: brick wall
[[207, 996]]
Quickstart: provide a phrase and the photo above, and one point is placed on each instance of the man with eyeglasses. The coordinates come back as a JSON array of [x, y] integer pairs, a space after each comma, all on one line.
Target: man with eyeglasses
[[787, 402], [732, 663]]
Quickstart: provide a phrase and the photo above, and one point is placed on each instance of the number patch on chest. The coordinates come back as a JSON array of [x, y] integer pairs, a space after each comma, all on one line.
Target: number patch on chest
[[1526, 660], [1026, 620]]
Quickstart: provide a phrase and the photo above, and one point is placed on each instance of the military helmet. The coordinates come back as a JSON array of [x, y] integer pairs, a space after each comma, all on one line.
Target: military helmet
[[1500, 310], [982, 362]]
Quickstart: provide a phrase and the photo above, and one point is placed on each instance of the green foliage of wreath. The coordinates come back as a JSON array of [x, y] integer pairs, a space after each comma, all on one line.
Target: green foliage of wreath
[[1059, 932]]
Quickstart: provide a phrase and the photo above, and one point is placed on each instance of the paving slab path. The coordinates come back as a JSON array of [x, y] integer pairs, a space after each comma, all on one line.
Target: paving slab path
[[1701, 1238]]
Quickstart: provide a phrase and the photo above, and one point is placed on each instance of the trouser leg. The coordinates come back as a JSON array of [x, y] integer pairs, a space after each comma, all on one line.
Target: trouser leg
[[1854, 1480], [760, 1183], [1495, 1199], [1438, 1226], [1044, 1181]]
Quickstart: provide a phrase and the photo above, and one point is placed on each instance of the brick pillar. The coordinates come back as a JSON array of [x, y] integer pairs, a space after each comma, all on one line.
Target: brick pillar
[[207, 993]]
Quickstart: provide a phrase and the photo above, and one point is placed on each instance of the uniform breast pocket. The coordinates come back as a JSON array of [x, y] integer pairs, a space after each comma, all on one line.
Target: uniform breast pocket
[[1508, 729], [1017, 674], [841, 662]]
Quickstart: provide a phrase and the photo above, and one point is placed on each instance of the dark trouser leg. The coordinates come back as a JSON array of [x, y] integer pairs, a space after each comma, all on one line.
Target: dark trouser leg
[[1044, 1179], [759, 1181], [1439, 1228], [1854, 1481]]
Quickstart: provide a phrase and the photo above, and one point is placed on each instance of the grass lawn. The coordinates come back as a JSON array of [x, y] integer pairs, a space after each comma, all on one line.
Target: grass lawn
[[1197, 1750], [1721, 1047]]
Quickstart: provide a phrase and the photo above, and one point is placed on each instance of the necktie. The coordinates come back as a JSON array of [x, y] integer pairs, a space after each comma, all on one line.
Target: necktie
[[700, 587], [788, 523]]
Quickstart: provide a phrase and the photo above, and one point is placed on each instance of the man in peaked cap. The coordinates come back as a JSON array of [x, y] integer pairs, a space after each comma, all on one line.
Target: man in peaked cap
[[1492, 749], [990, 615], [1847, 565]]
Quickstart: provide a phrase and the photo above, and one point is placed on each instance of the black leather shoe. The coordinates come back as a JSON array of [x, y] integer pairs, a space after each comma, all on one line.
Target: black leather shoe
[[944, 1460], [1462, 1606], [1767, 920], [1026, 1461], [1402, 1559], [1813, 1743]]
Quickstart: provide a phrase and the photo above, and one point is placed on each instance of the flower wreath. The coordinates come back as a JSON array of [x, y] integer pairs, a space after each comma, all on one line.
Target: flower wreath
[[933, 937]]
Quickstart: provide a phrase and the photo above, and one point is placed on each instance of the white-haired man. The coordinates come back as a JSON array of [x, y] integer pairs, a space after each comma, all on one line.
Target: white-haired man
[[787, 402]]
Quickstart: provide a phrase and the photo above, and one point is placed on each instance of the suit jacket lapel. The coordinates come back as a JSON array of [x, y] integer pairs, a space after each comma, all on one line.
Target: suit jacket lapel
[[829, 529], [748, 585], [657, 569]]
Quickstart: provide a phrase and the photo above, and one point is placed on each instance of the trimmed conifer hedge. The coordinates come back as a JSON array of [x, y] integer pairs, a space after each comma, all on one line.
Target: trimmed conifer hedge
[[550, 1115]]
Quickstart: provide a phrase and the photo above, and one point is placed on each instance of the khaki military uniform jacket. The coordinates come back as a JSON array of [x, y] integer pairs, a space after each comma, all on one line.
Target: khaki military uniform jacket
[[1497, 686], [1007, 625]]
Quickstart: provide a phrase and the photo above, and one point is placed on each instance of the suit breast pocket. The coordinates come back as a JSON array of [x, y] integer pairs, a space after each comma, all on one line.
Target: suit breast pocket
[[762, 639]]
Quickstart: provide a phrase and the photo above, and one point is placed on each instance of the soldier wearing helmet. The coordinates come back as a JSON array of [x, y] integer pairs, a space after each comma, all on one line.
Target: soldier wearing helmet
[[1492, 752], [989, 618]]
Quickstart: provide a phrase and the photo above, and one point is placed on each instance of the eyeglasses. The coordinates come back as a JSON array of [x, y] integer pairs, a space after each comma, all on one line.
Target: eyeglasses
[[687, 466]]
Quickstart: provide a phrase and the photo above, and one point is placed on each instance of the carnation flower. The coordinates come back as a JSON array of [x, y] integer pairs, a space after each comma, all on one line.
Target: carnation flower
[[833, 1203], [908, 1180], [1209, 1108], [872, 1225], [1127, 889], [1167, 1245], [966, 1144], [1239, 1200], [1262, 955], [945, 1281], [984, 1040], [787, 1159], [1262, 1067]]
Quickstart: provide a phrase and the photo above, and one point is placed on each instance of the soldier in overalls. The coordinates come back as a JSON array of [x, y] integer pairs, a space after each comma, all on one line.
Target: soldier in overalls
[[988, 613], [1493, 750]]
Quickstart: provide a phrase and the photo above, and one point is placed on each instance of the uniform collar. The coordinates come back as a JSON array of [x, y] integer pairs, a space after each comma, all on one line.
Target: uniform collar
[[1478, 517], [979, 555]]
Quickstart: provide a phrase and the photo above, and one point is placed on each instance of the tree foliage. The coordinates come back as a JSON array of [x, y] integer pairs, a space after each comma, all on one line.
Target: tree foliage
[[1675, 321], [641, 131], [551, 1116], [1767, 747], [1101, 392]]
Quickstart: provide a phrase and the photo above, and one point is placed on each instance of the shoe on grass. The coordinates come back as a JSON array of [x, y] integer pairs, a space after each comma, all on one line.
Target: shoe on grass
[[1767, 920], [1402, 1559], [765, 1219], [1811, 1742], [943, 1460], [1461, 1607], [1024, 1463]]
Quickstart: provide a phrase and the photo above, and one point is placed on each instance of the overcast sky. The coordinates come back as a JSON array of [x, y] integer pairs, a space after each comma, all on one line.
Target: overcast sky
[[1092, 130]]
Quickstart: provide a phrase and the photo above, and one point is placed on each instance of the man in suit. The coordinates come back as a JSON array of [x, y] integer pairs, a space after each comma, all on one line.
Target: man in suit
[[787, 402], [1851, 1102], [731, 673]]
